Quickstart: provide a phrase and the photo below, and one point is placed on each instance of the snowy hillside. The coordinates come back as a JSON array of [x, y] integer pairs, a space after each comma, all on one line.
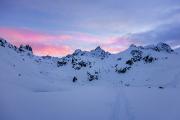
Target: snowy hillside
[[140, 83]]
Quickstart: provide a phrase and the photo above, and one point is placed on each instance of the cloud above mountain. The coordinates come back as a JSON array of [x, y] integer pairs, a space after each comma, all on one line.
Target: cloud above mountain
[[169, 33], [84, 24]]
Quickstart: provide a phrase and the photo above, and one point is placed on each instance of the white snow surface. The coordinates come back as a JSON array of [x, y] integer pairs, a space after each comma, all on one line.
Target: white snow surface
[[34, 88]]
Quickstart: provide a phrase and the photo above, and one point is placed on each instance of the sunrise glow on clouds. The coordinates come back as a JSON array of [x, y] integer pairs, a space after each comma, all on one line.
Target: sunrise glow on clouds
[[40, 42], [47, 44], [63, 44], [52, 50], [25, 35]]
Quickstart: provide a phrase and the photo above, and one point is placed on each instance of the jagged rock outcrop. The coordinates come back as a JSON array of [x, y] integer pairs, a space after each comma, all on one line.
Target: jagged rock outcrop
[[160, 47], [99, 52], [25, 48]]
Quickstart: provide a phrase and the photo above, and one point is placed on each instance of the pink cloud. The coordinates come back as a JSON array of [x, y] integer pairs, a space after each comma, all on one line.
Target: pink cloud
[[116, 44], [52, 50], [17, 36], [118, 41], [113, 49], [84, 37], [53, 44], [27, 36], [37, 40], [62, 44]]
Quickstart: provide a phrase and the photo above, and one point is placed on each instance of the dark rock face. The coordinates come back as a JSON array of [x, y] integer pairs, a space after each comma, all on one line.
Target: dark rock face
[[2, 42], [137, 55], [129, 62], [149, 59], [164, 47], [92, 76], [61, 63], [82, 64], [77, 64], [74, 79], [122, 70], [24, 48]]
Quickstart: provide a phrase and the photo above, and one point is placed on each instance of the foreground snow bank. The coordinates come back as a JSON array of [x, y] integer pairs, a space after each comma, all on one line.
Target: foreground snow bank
[[90, 103]]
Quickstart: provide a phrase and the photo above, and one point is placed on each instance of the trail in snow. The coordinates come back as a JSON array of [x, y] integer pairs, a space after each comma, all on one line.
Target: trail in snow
[[121, 109]]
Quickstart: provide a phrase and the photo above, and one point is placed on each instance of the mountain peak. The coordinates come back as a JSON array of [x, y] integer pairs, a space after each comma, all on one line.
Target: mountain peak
[[164, 47], [99, 52], [78, 52], [132, 45], [98, 48], [160, 47]]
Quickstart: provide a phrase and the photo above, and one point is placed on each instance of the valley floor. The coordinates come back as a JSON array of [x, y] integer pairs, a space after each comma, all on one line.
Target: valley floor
[[89, 103]]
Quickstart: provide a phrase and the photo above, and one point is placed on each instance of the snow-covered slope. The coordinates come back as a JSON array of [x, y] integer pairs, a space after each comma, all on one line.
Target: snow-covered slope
[[140, 83]]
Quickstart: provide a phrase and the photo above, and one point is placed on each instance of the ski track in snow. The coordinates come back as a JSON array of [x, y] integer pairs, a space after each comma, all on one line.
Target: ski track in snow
[[121, 109]]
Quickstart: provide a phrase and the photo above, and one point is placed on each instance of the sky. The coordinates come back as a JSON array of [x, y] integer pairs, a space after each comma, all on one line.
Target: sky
[[58, 27]]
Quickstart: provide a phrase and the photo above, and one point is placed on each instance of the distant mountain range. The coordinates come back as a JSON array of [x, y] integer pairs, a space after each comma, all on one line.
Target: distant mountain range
[[138, 65]]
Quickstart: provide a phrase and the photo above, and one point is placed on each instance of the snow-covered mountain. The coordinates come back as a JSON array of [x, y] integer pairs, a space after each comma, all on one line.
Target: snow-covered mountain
[[127, 67], [97, 64], [89, 74]]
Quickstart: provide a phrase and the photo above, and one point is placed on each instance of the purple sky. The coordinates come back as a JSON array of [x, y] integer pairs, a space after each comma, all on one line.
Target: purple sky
[[58, 27]]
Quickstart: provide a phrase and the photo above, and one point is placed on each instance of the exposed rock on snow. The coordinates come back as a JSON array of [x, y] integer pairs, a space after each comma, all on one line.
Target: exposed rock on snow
[[2, 42], [77, 63], [122, 70], [61, 63], [25, 48], [92, 75]]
